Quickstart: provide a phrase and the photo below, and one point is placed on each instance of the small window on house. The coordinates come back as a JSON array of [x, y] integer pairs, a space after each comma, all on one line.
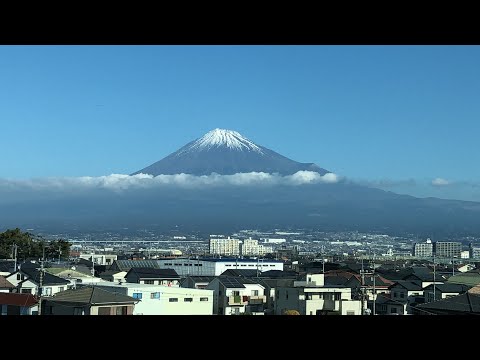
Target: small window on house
[[393, 310], [155, 295], [173, 300], [350, 312], [149, 282], [402, 295], [26, 291], [254, 292], [204, 299], [188, 299], [137, 295], [77, 311], [19, 277], [61, 288], [394, 294], [121, 310]]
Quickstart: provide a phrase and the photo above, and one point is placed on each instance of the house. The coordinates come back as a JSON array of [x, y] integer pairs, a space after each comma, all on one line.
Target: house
[[27, 281], [236, 295], [5, 285], [312, 297], [216, 266], [196, 282], [271, 284], [126, 265], [436, 292], [471, 278], [88, 300], [7, 267], [115, 276], [467, 303], [385, 305], [164, 300], [167, 277], [18, 304], [404, 295]]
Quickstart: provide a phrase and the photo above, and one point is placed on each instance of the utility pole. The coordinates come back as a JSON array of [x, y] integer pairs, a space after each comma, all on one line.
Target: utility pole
[[374, 292], [434, 278], [59, 253], [15, 256], [362, 288], [40, 284]]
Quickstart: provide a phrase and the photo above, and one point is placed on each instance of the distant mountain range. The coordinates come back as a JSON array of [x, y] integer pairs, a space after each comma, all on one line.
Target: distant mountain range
[[340, 205]]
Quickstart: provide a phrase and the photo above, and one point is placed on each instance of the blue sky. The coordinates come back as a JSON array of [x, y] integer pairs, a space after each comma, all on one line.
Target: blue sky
[[399, 115]]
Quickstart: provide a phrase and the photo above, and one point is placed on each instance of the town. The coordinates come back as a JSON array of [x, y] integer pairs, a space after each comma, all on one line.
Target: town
[[246, 272]]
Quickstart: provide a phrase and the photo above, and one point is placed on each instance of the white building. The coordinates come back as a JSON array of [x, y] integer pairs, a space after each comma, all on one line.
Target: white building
[[273, 241], [423, 249], [465, 254], [226, 247], [313, 297], [252, 247], [235, 296], [215, 267], [164, 300], [99, 259]]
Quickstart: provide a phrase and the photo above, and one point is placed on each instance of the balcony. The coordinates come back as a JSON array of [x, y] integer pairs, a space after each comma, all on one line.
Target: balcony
[[257, 300], [237, 300]]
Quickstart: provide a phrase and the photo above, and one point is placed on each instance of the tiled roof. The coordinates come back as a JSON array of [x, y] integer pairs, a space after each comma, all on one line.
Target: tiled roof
[[149, 273], [48, 279], [410, 285], [5, 284], [15, 299], [466, 303], [92, 295]]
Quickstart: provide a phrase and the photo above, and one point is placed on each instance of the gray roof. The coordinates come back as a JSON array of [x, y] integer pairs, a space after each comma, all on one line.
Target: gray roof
[[48, 279], [198, 279], [92, 296], [449, 288], [149, 273], [466, 303], [240, 272], [235, 282], [125, 265], [409, 285]]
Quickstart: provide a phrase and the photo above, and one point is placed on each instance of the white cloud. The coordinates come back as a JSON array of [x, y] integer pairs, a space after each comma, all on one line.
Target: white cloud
[[440, 182], [120, 182]]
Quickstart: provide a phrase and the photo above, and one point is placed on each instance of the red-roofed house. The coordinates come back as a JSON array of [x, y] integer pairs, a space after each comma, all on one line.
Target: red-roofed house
[[18, 304]]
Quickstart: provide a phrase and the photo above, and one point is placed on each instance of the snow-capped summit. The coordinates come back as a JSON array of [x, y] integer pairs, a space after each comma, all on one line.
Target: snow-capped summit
[[222, 137], [226, 152]]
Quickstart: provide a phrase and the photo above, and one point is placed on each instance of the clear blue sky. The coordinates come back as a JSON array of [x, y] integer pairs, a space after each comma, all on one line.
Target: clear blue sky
[[364, 112]]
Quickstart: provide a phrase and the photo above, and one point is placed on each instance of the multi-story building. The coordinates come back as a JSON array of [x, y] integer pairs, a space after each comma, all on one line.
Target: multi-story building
[[447, 249], [313, 297], [165, 300], [423, 250], [474, 251], [235, 296], [214, 267], [225, 247], [252, 247]]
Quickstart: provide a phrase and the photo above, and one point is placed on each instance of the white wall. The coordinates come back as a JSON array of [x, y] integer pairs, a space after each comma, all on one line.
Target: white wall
[[201, 304], [194, 267]]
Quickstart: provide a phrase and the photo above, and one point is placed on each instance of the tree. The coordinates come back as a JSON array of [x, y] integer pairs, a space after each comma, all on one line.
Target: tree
[[30, 245]]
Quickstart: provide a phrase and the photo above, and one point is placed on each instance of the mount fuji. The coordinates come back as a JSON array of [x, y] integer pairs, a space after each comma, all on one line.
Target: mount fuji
[[226, 152]]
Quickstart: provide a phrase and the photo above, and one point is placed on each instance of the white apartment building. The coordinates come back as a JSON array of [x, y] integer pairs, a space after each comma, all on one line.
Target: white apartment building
[[235, 296], [225, 247], [164, 300], [99, 259], [423, 249], [251, 247], [313, 297], [215, 267]]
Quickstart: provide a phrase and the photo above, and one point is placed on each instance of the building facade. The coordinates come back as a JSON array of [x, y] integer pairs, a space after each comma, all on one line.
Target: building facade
[[225, 247], [423, 250], [448, 249]]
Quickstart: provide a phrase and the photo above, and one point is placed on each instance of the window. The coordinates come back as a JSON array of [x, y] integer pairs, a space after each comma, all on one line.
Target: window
[[350, 312], [402, 295], [19, 277], [121, 310], [337, 296], [61, 288], [188, 299], [393, 310], [254, 292], [104, 311], [137, 295], [286, 295], [26, 291], [394, 294], [150, 282], [48, 291], [236, 293], [155, 295], [204, 299], [173, 300], [77, 311]]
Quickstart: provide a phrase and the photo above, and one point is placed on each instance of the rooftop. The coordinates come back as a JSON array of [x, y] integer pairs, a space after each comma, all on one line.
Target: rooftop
[[92, 295]]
